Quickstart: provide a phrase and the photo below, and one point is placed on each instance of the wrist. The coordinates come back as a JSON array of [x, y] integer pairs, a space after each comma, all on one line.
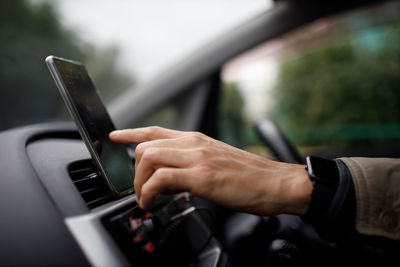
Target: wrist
[[298, 190]]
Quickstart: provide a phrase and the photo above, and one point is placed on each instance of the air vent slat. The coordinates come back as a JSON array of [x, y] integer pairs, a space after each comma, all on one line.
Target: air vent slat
[[83, 180], [89, 183], [102, 200], [91, 190], [77, 172]]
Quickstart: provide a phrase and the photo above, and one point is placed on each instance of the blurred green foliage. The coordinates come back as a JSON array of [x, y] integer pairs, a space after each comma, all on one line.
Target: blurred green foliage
[[234, 127], [347, 92], [29, 33], [231, 121], [337, 91]]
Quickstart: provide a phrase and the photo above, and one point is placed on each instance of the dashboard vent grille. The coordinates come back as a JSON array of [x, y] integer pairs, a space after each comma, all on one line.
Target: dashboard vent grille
[[89, 183]]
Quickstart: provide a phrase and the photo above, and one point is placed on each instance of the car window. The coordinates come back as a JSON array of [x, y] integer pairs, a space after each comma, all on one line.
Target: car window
[[122, 43], [32, 30], [166, 116], [331, 86]]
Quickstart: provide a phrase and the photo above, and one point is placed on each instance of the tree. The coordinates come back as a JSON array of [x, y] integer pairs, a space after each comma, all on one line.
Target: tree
[[346, 91]]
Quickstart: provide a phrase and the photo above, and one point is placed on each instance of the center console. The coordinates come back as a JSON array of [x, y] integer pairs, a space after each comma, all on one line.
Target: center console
[[177, 231]]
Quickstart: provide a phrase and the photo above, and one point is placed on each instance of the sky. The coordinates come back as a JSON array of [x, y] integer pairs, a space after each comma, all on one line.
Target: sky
[[153, 34]]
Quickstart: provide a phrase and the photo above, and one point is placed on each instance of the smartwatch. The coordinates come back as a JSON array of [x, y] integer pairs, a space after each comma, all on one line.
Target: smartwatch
[[324, 175]]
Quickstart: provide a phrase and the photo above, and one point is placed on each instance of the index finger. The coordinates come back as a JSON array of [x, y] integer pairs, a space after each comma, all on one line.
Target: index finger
[[139, 135]]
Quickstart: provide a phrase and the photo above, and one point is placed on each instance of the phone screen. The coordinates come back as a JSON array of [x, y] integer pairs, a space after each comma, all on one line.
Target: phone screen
[[94, 123]]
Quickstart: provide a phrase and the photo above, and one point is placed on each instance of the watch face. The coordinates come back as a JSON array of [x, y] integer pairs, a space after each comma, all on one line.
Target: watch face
[[320, 167]]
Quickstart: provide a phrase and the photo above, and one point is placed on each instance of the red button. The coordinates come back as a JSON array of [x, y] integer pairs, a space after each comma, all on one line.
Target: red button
[[149, 247]]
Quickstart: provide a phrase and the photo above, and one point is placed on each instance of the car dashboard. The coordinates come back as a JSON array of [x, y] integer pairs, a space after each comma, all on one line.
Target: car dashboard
[[57, 211]]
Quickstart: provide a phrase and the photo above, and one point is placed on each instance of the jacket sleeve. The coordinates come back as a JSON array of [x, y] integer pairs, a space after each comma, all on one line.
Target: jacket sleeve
[[377, 193]]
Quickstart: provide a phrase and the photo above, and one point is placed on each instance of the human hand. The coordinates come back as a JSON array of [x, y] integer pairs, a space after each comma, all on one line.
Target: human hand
[[169, 161]]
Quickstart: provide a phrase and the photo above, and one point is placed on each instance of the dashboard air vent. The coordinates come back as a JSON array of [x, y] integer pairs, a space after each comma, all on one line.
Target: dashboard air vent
[[89, 183]]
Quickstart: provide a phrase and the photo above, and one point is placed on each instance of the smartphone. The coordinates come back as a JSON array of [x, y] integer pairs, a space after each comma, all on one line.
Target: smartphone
[[93, 122]]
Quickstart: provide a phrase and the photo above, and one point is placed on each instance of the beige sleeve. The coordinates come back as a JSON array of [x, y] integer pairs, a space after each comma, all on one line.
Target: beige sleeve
[[377, 188]]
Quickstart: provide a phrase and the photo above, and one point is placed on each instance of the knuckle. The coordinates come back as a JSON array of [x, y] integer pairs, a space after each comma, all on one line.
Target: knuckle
[[162, 176], [193, 137], [144, 191], [139, 149], [197, 135], [149, 154], [152, 130], [202, 152]]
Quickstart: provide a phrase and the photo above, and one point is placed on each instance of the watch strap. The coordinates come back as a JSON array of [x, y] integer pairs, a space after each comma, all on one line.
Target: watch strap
[[324, 176]]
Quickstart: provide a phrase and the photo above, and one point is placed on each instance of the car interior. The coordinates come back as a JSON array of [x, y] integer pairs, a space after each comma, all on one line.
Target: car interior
[[56, 209]]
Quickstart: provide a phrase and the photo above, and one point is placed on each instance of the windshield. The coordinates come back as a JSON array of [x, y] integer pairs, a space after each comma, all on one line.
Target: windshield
[[122, 43], [331, 86]]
